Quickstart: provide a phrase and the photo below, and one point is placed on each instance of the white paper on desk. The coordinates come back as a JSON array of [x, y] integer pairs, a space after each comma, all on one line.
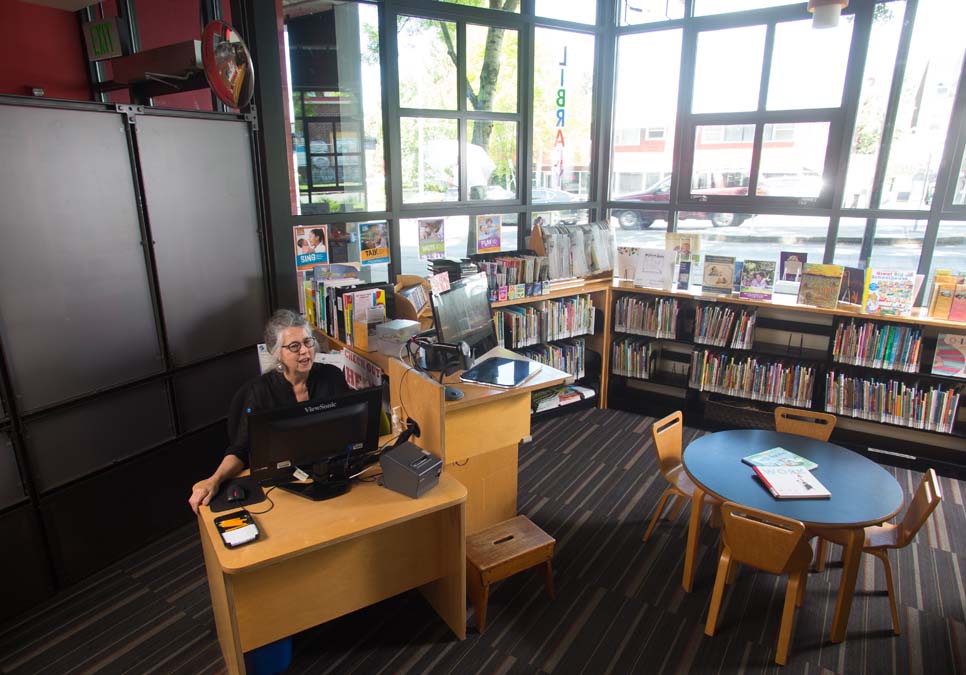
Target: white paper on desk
[[240, 535]]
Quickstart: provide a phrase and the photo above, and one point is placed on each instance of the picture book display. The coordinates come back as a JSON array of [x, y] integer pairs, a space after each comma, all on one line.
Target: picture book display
[[719, 272], [785, 482], [950, 358], [853, 283], [757, 279], [957, 309], [310, 246], [779, 457], [656, 269], [889, 292], [684, 246], [943, 291], [628, 261], [820, 285], [684, 275], [488, 233], [791, 265]]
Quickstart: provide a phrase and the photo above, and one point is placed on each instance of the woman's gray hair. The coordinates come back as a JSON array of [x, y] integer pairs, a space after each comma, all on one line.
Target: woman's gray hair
[[281, 321]]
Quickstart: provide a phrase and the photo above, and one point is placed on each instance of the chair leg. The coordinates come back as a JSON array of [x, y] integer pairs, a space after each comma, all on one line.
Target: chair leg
[[732, 572], [657, 512], [481, 609], [801, 589], [788, 618], [821, 554], [883, 555], [546, 571], [714, 610], [676, 510]]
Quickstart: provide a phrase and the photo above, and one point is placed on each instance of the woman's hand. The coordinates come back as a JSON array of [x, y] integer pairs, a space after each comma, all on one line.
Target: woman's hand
[[202, 493]]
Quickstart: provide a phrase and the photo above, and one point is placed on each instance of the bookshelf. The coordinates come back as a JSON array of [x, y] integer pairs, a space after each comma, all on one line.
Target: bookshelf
[[717, 353]]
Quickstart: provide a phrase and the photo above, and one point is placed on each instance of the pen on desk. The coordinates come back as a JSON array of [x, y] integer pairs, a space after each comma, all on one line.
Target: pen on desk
[[233, 523]]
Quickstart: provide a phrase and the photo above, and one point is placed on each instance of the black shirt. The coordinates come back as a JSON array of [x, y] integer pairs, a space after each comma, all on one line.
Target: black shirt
[[272, 390]]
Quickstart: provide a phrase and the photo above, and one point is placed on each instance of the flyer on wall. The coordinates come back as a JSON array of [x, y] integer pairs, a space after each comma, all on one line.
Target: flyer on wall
[[431, 242], [310, 246], [374, 242], [488, 233]]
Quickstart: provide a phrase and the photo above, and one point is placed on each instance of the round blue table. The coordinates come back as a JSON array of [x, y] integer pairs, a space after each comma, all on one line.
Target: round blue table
[[863, 493]]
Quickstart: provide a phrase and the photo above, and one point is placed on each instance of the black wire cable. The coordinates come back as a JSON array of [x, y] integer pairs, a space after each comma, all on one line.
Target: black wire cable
[[258, 513]]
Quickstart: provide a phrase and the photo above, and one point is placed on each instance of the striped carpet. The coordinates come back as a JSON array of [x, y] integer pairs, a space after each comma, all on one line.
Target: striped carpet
[[591, 480]]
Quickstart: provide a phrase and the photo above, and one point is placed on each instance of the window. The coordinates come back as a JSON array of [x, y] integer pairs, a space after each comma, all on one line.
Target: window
[[633, 12], [728, 84], [813, 82], [456, 237], [581, 11], [562, 110], [656, 133], [627, 137], [335, 110]]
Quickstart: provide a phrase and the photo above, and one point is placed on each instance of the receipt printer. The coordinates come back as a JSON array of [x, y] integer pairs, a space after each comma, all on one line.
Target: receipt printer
[[410, 470]]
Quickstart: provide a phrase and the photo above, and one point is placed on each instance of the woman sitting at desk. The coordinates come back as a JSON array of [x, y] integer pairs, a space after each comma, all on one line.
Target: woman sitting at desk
[[296, 378]]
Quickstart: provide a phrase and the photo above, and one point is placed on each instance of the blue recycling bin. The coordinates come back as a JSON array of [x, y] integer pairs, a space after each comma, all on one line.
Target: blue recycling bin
[[272, 658]]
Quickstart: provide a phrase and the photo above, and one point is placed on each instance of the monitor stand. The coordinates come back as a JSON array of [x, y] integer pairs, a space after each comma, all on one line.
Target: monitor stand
[[317, 491]]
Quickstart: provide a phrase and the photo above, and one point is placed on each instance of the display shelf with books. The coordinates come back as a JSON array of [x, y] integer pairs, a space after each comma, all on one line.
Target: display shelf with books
[[921, 406], [721, 325], [651, 317], [533, 323], [568, 355], [634, 357], [877, 345], [786, 383]]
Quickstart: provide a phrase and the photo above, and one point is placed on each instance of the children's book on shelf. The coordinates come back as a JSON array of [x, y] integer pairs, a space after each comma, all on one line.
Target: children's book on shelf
[[791, 483], [791, 265], [950, 358], [739, 265], [942, 300], [779, 457], [684, 246], [628, 262], [656, 270], [957, 309], [889, 292], [416, 295], [684, 275], [820, 285], [719, 273], [853, 283], [757, 279]]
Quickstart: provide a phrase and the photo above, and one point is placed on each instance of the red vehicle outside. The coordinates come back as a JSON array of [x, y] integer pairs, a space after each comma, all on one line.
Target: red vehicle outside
[[659, 193]]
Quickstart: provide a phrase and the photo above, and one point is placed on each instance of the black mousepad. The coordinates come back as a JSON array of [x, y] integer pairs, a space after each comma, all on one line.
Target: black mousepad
[[253, 495]]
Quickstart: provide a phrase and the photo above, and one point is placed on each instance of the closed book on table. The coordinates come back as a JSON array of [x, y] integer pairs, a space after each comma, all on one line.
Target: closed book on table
[[791, 483]]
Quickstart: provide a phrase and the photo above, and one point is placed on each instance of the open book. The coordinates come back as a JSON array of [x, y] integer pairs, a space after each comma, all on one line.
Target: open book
[[779, 457], [791, 483]]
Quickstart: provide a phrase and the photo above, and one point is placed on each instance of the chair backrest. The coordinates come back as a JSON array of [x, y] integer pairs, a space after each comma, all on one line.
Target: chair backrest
[[924, 502], [771, 543], [804, 423], [667, 434]]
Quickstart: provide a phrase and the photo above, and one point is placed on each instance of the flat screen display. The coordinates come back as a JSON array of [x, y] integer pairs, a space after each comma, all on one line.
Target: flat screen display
[[463, 314], [499, 371]]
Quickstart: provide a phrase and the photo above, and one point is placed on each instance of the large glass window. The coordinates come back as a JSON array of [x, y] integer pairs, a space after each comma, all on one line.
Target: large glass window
[[430, 159], [457, 238], [812, 82], [633, 12], [427, 63], [335, 107], [928, 90], [644, 117], [562, 111], [582, 11], [728, 84]]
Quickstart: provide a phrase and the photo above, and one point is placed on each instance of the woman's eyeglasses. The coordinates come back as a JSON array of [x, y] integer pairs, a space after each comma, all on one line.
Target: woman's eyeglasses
[[296, 347]]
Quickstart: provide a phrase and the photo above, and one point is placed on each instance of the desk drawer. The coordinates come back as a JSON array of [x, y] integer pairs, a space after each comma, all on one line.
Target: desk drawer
[[479, 429]]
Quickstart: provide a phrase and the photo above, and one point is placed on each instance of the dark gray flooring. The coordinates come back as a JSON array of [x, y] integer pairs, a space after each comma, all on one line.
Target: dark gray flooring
[[590, 480]]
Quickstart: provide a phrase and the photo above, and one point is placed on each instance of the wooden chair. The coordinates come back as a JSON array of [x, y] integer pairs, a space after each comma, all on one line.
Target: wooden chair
[[804, 423], [668, 442], [880, 538], [770, 543]]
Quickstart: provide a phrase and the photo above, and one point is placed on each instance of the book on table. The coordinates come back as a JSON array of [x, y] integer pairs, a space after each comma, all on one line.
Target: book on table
[[779, 457], [786, 482]]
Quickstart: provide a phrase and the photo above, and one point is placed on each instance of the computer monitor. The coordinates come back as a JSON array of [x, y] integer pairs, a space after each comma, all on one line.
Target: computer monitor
[[327, 438], [463, 314]]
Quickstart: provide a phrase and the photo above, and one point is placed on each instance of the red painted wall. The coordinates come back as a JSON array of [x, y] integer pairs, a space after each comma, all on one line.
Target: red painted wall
[[41, 47], [44, 47]]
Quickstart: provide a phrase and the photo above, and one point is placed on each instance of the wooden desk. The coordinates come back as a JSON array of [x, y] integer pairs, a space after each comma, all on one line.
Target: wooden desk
[[863, 493], [477, 437], [316, 561]]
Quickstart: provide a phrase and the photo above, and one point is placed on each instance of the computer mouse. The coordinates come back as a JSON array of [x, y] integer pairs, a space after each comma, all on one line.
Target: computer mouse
[[452, 394], [236, 493]]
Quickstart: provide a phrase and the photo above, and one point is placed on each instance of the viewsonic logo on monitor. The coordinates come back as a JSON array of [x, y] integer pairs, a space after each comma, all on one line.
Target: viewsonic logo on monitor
[[317, 408]]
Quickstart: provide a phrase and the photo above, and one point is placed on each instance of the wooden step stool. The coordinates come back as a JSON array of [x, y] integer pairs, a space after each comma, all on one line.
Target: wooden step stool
[[501, 551]]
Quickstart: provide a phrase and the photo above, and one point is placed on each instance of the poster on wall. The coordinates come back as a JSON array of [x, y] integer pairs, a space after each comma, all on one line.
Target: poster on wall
[[374, 242], [310, 246], [488, 233], [431, 244]]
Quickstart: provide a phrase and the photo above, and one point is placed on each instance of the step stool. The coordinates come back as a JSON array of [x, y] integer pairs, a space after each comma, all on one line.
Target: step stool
[[500, 551]]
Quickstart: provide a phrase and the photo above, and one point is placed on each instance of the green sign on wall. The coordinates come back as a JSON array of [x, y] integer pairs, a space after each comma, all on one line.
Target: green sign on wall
[[102, 39]]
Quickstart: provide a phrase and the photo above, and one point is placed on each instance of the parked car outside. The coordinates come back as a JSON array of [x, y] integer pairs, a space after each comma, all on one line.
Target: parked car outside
[[659, 194]]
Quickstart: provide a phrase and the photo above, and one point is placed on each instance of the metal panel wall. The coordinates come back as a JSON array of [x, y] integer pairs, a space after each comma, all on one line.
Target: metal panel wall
[[203, 393], [77, 314], [74, 442], [198, 184], [11, 487]]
